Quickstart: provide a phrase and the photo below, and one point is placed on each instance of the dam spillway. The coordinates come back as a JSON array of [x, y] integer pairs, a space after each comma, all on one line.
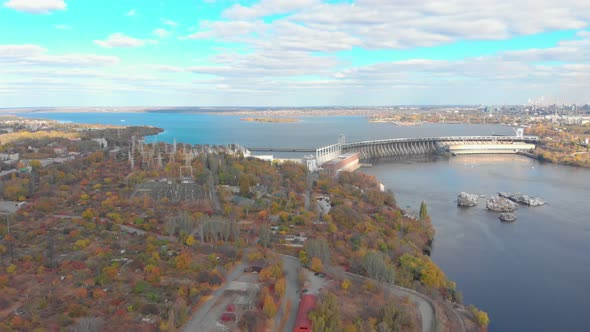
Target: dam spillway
[[400, 147]]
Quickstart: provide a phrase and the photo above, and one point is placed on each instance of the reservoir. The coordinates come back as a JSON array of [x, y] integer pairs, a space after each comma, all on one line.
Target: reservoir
[[531, 275]]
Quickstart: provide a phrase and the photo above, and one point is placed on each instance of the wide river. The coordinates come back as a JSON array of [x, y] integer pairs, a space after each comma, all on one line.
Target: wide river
[[531, 275]]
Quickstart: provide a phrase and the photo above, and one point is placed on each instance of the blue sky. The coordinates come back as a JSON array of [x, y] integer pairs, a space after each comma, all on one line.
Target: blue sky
[[292, 52]]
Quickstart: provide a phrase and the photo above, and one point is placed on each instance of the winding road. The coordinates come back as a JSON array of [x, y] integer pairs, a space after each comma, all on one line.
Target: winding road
[[424, 304]]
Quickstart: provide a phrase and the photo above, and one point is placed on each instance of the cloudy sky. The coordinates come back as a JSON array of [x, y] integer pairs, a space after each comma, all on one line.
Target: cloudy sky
[[292, 52]]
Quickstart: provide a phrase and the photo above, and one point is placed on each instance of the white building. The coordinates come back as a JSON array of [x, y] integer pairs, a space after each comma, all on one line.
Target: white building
[[9, 156], [311, 163]]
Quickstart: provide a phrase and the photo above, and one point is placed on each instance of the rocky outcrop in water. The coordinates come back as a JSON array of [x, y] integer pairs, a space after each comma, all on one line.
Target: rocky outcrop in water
[[500, 204], [523, 199], [507, 217], [467, 200]]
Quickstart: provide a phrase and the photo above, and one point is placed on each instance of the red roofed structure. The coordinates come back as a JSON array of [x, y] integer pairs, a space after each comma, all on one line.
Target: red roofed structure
[[302, 323]]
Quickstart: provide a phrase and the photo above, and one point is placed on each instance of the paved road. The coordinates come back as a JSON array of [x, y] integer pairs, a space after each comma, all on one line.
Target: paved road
[[194, 323], [425, 305], [291, 267]]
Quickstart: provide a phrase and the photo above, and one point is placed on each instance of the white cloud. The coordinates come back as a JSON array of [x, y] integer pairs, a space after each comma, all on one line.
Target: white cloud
[[62, 27], [268, 7], [162, 33], [169, 22], [132, 12], [386, 24], [121, 40], [232, 30], [15, 52], [166, 68], [36, 6], [34, 55]]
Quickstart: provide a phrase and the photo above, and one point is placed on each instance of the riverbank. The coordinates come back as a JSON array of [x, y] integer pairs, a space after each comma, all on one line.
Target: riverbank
[[270, 120]]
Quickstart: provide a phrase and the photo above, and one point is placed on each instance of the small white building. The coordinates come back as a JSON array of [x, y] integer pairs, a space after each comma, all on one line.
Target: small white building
[[311, 163], [9, 156], [102, 142]]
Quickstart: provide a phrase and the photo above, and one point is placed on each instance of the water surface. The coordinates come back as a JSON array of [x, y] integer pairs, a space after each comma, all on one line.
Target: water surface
[[531, 275]]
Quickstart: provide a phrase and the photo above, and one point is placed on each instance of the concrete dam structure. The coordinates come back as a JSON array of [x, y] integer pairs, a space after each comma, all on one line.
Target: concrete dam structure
[[400, 148], [454, 145]]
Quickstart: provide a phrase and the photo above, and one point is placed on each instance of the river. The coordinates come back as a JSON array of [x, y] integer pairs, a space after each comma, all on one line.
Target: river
[[530, 275]]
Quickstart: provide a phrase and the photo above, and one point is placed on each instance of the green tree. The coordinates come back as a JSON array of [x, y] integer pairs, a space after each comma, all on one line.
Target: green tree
[[264, 236], [394, 319], [35, 165], [244, 183], [325, 317], [423, 211]]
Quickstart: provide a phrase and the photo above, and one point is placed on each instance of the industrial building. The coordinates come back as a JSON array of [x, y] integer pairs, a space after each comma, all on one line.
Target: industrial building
[[344, 162]]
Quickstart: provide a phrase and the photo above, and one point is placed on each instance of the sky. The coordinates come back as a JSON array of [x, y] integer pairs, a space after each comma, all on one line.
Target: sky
[[62, 53]]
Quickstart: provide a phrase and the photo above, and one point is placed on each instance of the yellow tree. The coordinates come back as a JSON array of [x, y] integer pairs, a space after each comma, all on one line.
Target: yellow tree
[[269, 307], [316, 264], [280, 287], [190, 240], [345, 285]]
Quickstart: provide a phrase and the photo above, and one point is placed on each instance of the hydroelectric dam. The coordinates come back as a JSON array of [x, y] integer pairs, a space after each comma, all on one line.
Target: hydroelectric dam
[[454, 145], [406, 147]]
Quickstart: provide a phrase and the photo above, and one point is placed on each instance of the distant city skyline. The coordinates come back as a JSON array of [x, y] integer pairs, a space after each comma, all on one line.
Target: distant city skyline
[[292, 52]]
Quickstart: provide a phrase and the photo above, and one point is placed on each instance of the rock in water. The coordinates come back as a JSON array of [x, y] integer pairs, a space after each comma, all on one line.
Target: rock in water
[[523, 199], [535, 201], [500, 204], [467, 200], [507, 217]]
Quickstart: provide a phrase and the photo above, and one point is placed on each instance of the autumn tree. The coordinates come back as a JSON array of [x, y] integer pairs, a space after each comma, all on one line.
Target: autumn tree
[[393, 318], [345, 285], [481, 317], [182, 261], [152, 273], [269, 306], [190, 240], [280, 287], [325, 317], [316, 264]]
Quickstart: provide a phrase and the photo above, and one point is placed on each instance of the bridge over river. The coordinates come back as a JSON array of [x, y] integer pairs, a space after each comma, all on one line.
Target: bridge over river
[[399, 147]]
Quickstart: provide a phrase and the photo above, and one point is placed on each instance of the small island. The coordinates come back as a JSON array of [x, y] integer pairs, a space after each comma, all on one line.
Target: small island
[[270, 120]]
